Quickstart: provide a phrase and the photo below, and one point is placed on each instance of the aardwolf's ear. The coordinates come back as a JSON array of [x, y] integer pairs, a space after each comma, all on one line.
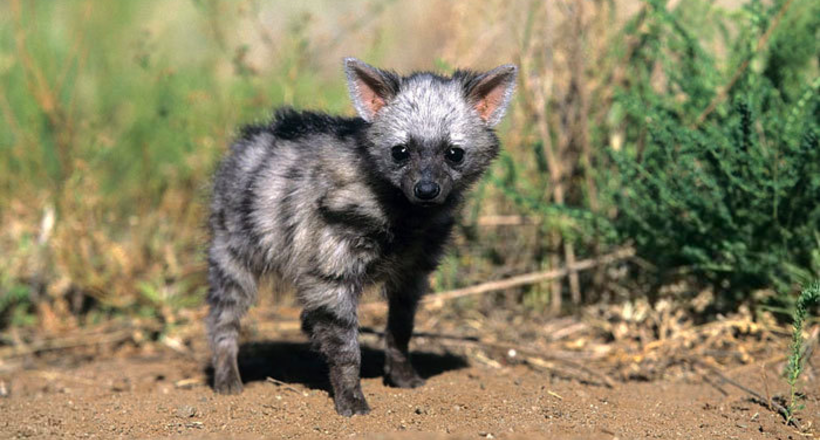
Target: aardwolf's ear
[[490, 92], [370, 88]]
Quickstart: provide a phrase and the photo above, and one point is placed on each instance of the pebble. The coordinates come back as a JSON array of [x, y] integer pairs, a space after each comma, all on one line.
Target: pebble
[[120, 385], [186, 411]]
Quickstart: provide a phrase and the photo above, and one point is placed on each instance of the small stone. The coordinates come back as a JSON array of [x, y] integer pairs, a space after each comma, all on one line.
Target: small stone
[[754, 417], [186, 411], [5, 389], [121, 384]]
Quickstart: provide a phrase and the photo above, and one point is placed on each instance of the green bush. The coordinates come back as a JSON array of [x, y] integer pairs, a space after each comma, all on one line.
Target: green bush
[[719, 176]]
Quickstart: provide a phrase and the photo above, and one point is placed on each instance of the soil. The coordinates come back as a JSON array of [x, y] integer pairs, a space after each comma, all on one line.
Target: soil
[[156, 392]]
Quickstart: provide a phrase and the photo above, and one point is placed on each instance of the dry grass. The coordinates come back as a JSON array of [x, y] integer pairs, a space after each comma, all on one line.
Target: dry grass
[[115, 119]]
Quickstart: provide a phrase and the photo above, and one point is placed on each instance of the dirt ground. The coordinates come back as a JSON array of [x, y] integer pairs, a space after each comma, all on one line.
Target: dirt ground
[[157, 392]]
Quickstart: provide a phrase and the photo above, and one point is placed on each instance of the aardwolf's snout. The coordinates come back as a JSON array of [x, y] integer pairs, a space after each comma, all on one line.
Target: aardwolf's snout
[[427, 190]]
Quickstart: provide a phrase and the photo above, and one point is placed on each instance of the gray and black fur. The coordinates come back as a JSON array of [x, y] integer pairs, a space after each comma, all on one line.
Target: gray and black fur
[[334, 204]]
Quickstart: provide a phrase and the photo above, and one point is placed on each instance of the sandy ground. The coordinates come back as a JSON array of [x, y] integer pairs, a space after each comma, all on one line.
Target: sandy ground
[[163, 394]]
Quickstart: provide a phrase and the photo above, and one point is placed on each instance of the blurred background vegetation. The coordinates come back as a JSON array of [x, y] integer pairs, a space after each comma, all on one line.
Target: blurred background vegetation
[[686, 131]]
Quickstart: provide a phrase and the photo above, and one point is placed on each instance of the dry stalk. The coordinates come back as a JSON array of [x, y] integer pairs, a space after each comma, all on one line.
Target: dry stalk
[[537, 82], [765, 379], [45, 96], [578, 125], [77, 50]]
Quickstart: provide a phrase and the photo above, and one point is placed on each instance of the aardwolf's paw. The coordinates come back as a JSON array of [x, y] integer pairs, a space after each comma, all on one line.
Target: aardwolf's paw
[[403, 376], [228, 383], [349, 405]]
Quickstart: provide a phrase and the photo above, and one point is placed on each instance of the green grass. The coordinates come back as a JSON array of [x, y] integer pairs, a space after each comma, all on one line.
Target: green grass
[[794, 368], [113, 115]]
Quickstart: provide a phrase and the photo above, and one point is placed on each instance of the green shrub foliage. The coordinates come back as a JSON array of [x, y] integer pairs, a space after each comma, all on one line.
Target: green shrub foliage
[[730, 196]]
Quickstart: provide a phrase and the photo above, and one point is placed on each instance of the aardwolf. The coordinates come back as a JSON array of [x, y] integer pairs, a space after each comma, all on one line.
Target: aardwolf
[[334, 205]]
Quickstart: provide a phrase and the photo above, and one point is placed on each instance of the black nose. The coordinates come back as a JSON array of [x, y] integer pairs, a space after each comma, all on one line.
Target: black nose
[[427, 190]]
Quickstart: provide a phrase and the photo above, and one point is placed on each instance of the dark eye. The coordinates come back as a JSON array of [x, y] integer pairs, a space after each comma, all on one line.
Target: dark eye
[[454, 154], [400, 153]]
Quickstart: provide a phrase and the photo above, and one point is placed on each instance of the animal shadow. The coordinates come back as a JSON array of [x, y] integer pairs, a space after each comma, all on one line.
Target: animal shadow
[[297, 363]]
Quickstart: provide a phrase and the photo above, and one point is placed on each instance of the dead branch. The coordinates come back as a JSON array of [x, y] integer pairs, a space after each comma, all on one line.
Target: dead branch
[[279, 383], [69, 342], [104, 335], [516, 281]]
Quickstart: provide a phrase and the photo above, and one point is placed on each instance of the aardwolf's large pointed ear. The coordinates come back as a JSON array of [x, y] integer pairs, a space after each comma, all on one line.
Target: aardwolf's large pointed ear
[[490, 92], [370, 88]]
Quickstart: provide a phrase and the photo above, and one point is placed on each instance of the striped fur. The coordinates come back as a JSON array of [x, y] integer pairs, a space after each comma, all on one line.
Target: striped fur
[[323, 202]]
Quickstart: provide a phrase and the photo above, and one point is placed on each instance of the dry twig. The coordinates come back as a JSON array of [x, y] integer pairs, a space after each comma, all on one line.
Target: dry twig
[[278, 382], [516, 281], [191, 382], [104, 335], [68, 342]]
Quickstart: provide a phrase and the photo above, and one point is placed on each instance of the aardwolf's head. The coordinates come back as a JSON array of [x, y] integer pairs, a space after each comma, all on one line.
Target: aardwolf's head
[[431, 135]]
